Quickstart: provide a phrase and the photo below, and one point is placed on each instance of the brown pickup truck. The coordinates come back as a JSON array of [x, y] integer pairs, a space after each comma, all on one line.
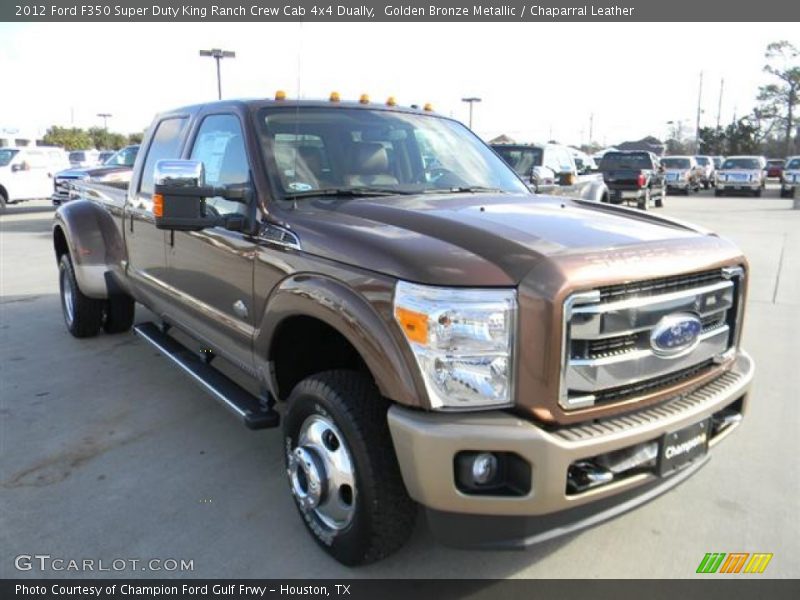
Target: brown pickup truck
[[427, 331]]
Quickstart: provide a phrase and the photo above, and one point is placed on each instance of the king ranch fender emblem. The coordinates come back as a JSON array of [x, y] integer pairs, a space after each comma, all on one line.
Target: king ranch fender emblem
[[676, 334]]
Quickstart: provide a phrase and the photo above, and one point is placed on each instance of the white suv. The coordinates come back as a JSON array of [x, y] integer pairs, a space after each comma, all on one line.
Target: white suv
[[26, 173]]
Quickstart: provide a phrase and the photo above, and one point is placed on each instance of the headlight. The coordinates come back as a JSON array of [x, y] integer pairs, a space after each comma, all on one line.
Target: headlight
[[463, 342]]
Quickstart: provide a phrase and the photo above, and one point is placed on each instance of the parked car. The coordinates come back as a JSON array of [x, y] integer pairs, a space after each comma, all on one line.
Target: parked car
[[551, 169], [790, 177], [633, 176], [104, 155], [26, 173], [521, 366], [681, 174], [584, 162], [742, 174], [116, 168], [775, 167], [84, 158], [705, 170]]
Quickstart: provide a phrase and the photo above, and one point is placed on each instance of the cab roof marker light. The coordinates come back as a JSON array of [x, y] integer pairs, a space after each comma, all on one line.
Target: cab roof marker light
[[390, 101], [334, 97], [364, 99], [280, 95], [428, 107]]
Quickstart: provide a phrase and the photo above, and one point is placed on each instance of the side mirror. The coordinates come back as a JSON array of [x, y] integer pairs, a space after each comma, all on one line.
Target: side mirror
[[179, 198], [543, 176]]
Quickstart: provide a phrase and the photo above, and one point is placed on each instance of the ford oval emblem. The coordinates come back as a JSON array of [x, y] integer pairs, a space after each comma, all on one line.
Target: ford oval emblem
[[676, 334]]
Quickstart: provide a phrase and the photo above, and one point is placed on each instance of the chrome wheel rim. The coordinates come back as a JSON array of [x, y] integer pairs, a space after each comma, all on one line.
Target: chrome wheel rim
[[322, 474], [67, 297]]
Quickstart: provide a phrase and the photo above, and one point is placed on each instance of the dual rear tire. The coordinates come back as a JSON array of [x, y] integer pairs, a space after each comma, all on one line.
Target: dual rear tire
[[85, 316]]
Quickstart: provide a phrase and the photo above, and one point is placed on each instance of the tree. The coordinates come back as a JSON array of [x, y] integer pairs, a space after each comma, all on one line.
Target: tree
[[70, 138], [779, 101], [135, 138], [712, 141]]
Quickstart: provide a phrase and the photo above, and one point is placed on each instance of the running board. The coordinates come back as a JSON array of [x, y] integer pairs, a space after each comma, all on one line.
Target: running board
[[255, 413]]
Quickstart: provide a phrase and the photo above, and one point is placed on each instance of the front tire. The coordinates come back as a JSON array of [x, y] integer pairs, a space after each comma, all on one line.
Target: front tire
[[342, 469], [82, 315]]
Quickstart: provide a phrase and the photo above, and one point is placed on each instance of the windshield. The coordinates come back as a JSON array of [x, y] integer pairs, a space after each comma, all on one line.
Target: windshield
[[6, 154], [522, 160], [124, 158], [792, 164], [703, 161], [742, 163], [676, 163], [775, 163], [77, 156], [342, 150], [624, 160]]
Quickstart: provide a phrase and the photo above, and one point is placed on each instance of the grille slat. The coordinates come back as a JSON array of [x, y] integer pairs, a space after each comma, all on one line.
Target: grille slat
[[659, 286]]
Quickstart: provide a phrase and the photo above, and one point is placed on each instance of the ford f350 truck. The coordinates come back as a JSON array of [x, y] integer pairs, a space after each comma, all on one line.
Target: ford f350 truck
[[427, 331]]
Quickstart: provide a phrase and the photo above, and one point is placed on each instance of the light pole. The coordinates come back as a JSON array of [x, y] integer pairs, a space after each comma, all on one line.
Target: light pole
[[470, 101], [105, 117], [218, 55]]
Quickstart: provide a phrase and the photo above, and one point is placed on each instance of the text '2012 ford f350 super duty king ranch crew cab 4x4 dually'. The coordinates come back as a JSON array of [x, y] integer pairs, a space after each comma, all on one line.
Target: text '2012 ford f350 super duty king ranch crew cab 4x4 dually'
[[426, 330]]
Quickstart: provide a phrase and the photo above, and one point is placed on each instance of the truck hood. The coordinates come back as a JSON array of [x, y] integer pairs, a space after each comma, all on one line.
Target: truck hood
[[482, 239]]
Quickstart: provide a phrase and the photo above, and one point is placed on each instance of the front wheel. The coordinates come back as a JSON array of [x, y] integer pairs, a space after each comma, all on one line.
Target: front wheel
[[342, 469], [83, 315]]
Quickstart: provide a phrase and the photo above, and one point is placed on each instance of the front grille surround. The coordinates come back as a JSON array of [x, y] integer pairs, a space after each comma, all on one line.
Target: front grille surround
[[607, 355]]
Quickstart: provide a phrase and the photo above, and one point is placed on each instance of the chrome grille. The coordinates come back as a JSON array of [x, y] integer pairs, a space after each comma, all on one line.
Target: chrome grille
[[608, 352]]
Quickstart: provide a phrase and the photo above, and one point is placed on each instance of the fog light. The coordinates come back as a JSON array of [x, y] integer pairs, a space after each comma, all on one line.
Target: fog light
[[484, 468]]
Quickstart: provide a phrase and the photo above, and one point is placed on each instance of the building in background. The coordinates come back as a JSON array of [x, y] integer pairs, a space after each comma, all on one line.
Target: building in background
[[14, 136]]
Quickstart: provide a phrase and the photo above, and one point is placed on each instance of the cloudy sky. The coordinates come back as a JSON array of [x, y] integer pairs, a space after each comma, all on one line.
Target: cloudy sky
[[537, 81]]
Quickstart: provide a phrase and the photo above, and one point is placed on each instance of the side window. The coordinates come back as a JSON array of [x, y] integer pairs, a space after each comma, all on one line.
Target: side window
[[166, 144], [220, 147], [36, 160]]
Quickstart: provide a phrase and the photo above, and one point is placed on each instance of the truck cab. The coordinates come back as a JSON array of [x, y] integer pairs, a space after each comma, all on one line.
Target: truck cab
[[552, 169]]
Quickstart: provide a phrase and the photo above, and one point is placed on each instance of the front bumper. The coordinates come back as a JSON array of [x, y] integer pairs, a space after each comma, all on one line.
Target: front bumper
[[427, 444], [738, 186]]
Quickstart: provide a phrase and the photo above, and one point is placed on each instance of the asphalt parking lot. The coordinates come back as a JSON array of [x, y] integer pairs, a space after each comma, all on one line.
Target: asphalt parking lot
[[107, 451]]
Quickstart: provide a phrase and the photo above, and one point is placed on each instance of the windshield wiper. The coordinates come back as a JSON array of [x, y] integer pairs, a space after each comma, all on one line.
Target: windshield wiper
[[348, 192], [466, 189]]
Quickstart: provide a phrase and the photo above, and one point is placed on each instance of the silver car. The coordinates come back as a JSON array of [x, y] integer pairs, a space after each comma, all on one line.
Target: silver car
[[742, 174], [790, 178]]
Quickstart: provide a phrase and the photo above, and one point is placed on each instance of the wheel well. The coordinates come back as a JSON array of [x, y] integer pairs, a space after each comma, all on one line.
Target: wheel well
[[59, 243], [3, 192], [303, 346]]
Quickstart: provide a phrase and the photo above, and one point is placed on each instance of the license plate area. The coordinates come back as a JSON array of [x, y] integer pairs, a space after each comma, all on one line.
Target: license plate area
[[678, 449]]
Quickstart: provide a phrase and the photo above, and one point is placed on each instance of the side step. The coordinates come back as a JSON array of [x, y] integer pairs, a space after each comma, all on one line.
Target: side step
[[255, 413]]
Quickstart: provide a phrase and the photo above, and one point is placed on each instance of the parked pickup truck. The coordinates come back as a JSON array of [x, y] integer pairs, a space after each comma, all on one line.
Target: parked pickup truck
[[633, 176], [117, 168], [551, 169], [428, 331], [790, 177]]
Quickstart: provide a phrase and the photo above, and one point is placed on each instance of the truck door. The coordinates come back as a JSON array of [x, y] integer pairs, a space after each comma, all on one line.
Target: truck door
[[211, 270], [146, 245]]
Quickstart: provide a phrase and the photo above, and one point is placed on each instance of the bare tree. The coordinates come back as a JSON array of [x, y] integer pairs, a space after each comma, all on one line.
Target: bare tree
[[779, 100]]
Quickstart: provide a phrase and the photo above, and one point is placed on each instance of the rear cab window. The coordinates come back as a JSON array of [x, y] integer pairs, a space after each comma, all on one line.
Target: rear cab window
[[626, 160]]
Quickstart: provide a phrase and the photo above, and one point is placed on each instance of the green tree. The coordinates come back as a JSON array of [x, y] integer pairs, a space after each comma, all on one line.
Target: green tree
[[712, 141], [70, 138], [779, 100], [135, 138]]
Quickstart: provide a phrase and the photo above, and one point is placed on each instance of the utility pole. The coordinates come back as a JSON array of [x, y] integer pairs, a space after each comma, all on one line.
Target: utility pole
[[697, 125], [719, 106], [105, 117], [591, 127], [470, 101], [218, 55]]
